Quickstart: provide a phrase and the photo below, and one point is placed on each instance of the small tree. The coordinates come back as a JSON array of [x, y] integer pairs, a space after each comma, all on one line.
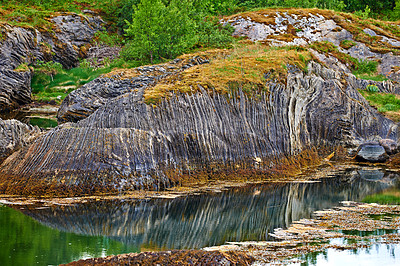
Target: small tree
[[158, 31], [145, 29]]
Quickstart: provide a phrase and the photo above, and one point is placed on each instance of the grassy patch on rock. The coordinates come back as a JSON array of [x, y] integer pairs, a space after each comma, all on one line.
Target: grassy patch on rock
[[55, 84], [386, 103], [350, 22], [37, 14], [245, 67]]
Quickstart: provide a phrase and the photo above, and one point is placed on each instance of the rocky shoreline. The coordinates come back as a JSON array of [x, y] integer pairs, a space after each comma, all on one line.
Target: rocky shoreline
[[111, 139]]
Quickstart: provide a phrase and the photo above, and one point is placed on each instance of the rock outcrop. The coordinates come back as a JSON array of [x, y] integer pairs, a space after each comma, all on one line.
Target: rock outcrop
[[283, 27], [24, 46], [14, 135], [84, 101], [128, 144]]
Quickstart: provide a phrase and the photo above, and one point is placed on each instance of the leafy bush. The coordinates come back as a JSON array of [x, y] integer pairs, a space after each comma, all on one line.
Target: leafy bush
[[161, 31], [372, 88], [365, 67], [48, 68]]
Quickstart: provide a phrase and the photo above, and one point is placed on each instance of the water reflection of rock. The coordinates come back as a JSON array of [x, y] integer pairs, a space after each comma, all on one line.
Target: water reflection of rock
[[204, 220]]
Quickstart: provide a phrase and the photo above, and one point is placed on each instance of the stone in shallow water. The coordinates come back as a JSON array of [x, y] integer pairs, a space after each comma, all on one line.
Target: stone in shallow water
[[371, 152]]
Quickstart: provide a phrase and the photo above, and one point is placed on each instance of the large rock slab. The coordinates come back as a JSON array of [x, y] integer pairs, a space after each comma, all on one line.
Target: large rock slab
[[66, 44], [15, 88], [127, 144], [14, 135], [82, 102]]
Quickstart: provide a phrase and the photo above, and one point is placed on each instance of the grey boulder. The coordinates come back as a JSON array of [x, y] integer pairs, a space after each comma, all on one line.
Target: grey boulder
[[371, 152]]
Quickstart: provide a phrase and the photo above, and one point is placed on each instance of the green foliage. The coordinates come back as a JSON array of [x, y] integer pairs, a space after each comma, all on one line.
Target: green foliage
[[365, 13], [48, 68], [212, 34], [386, 197], [35, 13], [22, 68], [106, 38], [161, 31], [372, 77], [347, 44], [372, 88], [365, 67], [53, 83], [384, 102]]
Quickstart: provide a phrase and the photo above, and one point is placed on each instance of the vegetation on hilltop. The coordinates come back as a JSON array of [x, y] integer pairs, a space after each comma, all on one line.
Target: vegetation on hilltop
[[245, 67], [160, 30]]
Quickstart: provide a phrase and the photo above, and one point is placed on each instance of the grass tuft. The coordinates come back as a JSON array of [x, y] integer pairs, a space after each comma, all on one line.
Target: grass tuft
[[244, 67]]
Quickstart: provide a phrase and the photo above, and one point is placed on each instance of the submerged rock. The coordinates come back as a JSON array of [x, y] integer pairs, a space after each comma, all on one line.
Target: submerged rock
[[128, 144], [372, 152]]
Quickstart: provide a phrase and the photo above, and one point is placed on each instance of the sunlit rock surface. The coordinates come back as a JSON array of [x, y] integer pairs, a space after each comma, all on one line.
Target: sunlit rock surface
[[25, 46], [14, 135], [128, 144], [82, 102], [302, 27]]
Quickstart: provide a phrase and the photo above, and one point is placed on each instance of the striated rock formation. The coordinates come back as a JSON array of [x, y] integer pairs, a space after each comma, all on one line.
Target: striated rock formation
[[15, 88], [84, 101], [128, 144], [14, 135], [72, 34]]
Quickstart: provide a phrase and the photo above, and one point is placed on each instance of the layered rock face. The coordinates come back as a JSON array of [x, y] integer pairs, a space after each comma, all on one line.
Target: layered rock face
[[128, 144], [83, 102], [72, 34], [14, 135], [306, 27]]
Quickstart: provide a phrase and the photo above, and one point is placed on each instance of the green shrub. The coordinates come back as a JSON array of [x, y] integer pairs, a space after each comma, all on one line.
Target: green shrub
[[372, 88], [365, 67], [347, 44]]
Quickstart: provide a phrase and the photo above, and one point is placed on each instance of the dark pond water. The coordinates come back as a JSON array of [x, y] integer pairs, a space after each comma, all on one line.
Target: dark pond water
[[41, 117], [61, 234]]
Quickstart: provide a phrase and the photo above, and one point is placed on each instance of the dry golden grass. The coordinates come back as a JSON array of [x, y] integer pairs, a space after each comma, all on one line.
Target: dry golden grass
[[355, 25], [244, 67]]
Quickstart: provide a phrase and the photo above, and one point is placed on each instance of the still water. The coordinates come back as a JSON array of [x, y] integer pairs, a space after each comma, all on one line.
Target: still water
[[377, 254], [41, 117], [61, 234]]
